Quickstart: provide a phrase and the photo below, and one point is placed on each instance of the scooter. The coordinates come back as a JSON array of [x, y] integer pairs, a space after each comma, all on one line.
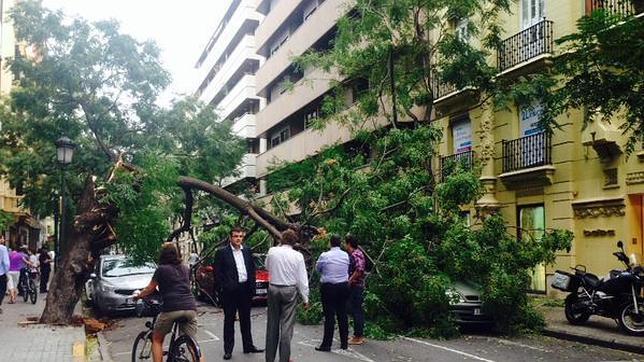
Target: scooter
[[619, 296]]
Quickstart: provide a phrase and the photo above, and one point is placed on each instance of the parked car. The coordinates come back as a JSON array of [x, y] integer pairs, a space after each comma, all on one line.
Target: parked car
[[115, 279], [206, 290], [466, 304]]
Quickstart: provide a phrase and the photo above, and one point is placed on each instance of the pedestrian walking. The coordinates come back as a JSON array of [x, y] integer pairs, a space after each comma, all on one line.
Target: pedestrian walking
[[288, 278], [4, 270], [333, 266], [18, 260], [45, 268], [235, 278], [356, 288]]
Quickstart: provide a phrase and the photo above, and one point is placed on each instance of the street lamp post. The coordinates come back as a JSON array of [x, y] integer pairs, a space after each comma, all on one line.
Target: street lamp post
[[64, 153]]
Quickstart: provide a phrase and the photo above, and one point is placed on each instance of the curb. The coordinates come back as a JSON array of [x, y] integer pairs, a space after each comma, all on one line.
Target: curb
[[594, 341], [78, 351], [103, 347]]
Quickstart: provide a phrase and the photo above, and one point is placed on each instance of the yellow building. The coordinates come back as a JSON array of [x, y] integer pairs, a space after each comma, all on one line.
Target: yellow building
[[579, 180], [26, 230]]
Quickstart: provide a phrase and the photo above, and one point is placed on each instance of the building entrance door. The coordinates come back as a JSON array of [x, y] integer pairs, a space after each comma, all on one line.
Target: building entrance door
[[532, 223]]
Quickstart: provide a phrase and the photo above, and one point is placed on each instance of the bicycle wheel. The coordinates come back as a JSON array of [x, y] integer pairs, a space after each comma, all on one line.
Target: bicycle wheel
[[142, 349], [184, 349], [33, 292]]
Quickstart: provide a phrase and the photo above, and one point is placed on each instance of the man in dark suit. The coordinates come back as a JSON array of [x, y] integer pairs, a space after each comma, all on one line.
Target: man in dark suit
[[235, 278]]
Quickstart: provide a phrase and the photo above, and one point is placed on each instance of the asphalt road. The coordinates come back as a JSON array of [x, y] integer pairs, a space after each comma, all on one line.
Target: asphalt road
[[467, 348]]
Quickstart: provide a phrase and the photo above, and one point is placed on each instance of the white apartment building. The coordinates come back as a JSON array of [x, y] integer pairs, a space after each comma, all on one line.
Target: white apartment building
[[226, 71], [293, 96]]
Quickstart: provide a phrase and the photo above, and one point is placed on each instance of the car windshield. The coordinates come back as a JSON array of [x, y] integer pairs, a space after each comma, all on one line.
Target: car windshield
[[122, 267]]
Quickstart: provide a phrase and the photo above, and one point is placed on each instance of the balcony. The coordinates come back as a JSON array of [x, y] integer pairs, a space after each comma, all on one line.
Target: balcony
[[244, 89], [613, 7], [246, 169], [244, 51], [303, 38], [274, 20], [528, 160], [244, 126], [302, 145], [447, 95], [531, 44], [241, 59], [243, 21], [304, 92], [462, 160]]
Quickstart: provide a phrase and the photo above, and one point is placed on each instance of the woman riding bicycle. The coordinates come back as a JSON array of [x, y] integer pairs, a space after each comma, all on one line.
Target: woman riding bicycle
[[172, 279]]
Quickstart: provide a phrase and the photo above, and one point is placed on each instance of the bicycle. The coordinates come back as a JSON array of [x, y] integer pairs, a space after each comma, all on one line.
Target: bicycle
[[27, 286], [183, 348]]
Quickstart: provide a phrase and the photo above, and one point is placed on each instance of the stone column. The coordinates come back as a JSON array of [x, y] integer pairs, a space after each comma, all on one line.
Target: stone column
[[488, 203]]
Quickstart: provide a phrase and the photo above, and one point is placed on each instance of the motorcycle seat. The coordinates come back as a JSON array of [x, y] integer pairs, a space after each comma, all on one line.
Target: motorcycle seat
[[591, 280]]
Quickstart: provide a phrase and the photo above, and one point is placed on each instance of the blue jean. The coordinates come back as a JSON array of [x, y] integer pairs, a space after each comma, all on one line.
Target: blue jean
[[356, 309]]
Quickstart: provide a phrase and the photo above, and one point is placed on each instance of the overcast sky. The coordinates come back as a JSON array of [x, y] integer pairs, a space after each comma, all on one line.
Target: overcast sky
[[180, 28]]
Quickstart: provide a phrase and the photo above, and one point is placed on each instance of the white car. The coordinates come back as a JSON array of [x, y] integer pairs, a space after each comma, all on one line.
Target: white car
[[111, 286]]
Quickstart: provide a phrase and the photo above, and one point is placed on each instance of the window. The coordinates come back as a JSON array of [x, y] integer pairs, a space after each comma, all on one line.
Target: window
[[283, 135], [610, 178], [532, 223], [532, 12], [310, 117], [309, 9], [461, 30], [279, 41], [461, 134]]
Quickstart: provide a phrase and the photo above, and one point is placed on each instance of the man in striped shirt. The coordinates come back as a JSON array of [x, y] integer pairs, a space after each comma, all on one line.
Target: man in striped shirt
[[356, 288]]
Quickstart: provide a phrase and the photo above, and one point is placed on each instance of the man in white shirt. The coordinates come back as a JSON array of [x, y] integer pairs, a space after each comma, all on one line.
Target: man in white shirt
[[235, 279], [288, 277]]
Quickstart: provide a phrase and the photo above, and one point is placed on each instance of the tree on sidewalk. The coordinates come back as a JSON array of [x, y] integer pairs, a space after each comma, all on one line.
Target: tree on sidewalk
[[99, 87]]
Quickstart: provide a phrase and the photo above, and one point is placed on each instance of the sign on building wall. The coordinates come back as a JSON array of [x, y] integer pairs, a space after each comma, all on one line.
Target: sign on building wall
[[529, 117], [462, 135]]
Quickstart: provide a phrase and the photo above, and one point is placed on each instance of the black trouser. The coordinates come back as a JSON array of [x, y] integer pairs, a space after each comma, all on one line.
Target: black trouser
[[44, 278], [237, 299], [334, 304], [3, 287], [356, 300]]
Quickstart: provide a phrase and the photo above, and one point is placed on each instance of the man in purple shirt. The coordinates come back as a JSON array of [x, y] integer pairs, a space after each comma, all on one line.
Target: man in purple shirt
[[4, 269], [356, 288], [17, 261], [333, 266]]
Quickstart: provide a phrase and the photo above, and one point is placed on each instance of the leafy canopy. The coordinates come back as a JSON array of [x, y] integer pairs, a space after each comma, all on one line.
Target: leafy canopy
[[395, 55], [100, 87]]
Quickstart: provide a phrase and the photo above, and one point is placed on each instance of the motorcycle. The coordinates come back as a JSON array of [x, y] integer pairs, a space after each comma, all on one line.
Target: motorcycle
[[619, 296]]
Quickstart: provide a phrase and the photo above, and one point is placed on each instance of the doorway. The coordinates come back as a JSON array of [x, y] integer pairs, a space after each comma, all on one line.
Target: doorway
[[532, 224]]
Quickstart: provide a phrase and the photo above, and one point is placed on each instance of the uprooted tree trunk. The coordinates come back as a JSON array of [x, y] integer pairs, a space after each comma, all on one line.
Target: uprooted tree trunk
[[90, 233]]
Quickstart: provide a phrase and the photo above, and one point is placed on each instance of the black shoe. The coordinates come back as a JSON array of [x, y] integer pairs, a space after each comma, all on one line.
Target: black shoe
[[228, 356], [323, 349], [253, 349]]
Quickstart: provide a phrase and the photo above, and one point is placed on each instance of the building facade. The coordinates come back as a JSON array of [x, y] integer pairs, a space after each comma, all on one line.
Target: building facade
[[577, 179], [227, 74], [25, 229]]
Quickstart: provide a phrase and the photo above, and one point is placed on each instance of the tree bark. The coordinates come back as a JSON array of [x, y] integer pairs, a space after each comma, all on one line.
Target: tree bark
[[69, 277], [257, 214]]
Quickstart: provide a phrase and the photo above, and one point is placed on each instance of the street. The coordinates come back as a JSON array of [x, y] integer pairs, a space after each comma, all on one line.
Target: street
[[478, 347]]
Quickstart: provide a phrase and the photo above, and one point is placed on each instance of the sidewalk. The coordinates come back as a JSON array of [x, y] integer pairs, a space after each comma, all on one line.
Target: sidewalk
[[597, 331], [37, 342]]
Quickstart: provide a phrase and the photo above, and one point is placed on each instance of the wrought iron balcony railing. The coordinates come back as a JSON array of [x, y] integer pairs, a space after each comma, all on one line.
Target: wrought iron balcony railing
[[464, 160], [614, 7], [441, 89], [526, 152], [529, 43]]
